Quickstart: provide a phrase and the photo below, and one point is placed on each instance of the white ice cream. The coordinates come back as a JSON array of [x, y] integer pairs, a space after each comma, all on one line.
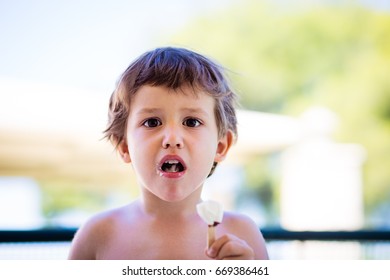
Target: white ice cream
[[210, 211]]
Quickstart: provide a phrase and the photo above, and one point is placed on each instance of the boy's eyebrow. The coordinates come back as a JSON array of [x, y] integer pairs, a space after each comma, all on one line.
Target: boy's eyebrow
[[195, 111], [148, 111]]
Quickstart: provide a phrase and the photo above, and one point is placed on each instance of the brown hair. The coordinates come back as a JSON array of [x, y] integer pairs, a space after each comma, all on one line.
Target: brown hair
[[172, 68]]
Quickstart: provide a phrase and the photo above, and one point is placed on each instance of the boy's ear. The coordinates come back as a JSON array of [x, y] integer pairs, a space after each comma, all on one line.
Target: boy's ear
[[123, 150], [224, 145]]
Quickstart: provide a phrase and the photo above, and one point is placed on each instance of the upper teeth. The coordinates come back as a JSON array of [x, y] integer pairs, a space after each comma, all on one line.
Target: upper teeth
[[172, 161]]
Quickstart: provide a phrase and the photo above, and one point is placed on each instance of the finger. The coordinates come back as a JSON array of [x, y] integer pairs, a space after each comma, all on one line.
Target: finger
[[214, 249], [233, 249]]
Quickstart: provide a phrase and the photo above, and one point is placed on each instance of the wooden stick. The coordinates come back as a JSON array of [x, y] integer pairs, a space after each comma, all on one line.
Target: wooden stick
[[210, 236]]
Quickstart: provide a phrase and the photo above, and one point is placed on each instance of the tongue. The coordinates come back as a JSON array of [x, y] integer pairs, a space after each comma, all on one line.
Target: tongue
[[172, 168]]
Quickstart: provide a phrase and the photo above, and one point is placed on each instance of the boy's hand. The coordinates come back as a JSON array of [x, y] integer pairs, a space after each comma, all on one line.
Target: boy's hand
[[230, 247]]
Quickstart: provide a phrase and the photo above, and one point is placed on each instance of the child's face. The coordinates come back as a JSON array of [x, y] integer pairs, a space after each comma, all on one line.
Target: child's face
[[172, 141]]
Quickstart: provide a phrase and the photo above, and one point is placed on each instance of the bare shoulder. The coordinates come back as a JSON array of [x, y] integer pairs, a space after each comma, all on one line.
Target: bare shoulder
[[93, 233], [245, 228]]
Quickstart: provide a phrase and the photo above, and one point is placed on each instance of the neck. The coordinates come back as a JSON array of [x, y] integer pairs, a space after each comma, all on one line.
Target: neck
[[153, 206]]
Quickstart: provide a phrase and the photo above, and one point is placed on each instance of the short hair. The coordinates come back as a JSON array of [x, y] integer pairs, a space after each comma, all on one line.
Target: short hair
[[173, 68]]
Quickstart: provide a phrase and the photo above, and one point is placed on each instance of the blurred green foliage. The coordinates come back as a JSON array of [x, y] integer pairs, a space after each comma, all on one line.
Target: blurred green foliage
[[88, 196], [60, 196], [284, 59]]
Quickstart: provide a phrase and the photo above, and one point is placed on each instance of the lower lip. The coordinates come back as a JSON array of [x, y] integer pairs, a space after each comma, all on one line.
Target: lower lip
[[171, 175]]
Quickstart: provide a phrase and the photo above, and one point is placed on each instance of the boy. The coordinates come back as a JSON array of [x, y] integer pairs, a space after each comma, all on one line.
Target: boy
[[172, 117]]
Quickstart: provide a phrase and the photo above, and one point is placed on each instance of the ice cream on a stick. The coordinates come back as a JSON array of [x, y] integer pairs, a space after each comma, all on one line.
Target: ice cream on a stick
[[212, 213]]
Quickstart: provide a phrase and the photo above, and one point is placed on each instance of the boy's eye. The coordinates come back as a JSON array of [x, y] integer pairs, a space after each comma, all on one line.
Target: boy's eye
[[152, 122], [191, 122]]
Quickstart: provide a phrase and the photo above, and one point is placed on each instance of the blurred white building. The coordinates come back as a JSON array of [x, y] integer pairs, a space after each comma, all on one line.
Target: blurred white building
[[321, 179]]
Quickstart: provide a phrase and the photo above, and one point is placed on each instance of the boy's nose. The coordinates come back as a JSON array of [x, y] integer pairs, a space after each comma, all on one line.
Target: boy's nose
[[172, 139]]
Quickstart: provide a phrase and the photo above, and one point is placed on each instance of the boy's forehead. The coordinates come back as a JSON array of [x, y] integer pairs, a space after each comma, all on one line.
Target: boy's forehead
[[185, 89], [158, 93], [151, 99]]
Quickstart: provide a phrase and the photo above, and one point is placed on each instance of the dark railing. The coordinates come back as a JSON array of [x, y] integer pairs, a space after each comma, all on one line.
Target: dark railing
[[39, 235], [359, 235], [270, 234]]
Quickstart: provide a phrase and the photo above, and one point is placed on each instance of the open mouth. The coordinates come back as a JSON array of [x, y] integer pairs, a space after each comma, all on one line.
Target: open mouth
[[171, 166]]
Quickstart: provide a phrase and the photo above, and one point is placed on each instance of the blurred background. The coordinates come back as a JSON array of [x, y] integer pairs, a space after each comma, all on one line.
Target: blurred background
[[314, 122]]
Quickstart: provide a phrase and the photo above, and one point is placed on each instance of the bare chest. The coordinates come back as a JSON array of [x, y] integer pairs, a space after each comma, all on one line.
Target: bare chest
[[156, 243]]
